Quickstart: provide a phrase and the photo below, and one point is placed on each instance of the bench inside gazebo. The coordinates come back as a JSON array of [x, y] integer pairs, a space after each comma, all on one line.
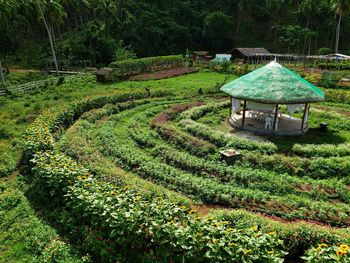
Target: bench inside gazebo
[[256, 100]]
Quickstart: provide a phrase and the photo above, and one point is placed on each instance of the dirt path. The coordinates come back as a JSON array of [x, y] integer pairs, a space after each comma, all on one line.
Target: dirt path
[[162, 74], [326, 108], [23, 70]]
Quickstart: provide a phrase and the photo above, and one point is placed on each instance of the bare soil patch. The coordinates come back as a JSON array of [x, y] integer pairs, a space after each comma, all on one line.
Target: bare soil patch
[[162, 74]]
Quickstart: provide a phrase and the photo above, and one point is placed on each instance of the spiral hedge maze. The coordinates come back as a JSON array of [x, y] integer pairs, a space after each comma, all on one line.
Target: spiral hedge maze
[[134, 169]]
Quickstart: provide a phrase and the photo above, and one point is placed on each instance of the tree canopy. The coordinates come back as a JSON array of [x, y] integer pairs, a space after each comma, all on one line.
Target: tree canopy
[[95, 29]]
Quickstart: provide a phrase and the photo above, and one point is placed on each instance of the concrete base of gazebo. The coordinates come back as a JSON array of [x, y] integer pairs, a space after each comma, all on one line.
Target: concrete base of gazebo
[[287, 126]]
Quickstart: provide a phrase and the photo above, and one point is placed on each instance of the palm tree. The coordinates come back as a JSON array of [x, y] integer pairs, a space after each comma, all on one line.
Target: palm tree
[[51, 12], [107, 10], [308, 9], [8, 10], [341, 8]]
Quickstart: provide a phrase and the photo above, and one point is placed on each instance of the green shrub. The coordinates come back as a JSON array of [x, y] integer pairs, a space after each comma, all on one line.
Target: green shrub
[[324, 253], [136, 66], [221, 67], [338, 96], [323, 150], [23, 237], [58, 252], [124, 53], [60, 81], [7, 164], [298, 237], [332, 65], [324, 51], [4, 133], [174, 231]]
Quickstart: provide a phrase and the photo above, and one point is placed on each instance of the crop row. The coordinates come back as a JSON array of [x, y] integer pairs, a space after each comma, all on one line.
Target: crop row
[[125, 224], [317, 168], [78, 143], [323, 150], [246, 177], [132, 226], [212, 191], [183, 140], [296, 236], [309, 150], [254, 178], [222, 139], [197, 112]]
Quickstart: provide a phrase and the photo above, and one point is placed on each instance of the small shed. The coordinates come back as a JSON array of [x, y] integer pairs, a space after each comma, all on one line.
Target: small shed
[[103, 74], [249, 53], [200, 56], [263, 91], [222, 58]]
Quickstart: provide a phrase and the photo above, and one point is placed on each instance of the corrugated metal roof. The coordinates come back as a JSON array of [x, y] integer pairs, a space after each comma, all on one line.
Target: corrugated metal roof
[[248, 52]]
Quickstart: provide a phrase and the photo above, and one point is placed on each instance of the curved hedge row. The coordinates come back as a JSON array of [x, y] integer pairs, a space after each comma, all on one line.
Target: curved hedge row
[[137, 66], [128, 225], [222, 139], [324, 150], [297, 236]]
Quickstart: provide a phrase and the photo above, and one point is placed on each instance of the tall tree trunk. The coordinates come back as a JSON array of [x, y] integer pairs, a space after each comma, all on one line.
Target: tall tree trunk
[[239, 24], [76, 20], [81, 19], [2, 76], [337, 35], [50, 37], [316, 40], [327, 38], [307, 26], [309, 51], [53, 33], [333, 36]]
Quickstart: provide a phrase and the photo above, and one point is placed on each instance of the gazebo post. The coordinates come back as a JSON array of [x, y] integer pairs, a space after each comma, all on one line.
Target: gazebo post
[[304, 115], [244, 110], [231, 100], [275, 119]]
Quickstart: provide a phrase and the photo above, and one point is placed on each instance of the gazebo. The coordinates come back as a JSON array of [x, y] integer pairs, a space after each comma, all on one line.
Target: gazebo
[[263, 91]]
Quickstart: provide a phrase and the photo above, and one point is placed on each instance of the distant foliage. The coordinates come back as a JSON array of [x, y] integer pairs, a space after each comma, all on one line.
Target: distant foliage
[[124, 53], [222, 67], [136, 66], [324, 51]]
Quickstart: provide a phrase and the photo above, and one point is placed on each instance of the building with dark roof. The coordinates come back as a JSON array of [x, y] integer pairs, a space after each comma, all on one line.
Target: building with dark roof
[[249, 53], [103, 74]]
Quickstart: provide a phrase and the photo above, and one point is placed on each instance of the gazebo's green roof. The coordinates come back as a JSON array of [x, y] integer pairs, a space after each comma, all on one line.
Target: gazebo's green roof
[[275, 84]]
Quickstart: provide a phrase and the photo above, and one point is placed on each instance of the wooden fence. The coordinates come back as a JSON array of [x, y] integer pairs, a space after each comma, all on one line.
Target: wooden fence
[[2, 91], [35, 85]]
